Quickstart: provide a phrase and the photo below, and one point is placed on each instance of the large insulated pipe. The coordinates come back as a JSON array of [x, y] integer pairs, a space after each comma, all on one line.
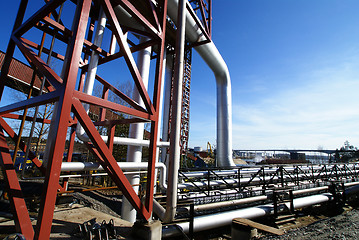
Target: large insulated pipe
[[237, 202], [221, 219], [92, 69], [213, 58], [166, 107], [175, 149], [134, 153]]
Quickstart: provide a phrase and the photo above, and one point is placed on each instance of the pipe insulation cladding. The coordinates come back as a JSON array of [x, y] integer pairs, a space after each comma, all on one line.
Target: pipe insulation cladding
[[214, 60], [221, 219]]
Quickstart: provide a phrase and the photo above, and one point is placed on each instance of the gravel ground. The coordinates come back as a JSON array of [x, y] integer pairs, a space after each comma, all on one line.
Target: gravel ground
[[100, 202], [343, 226]]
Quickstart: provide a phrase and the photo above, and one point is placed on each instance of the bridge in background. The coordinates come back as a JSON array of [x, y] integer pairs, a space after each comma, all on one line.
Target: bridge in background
[[327, 151]]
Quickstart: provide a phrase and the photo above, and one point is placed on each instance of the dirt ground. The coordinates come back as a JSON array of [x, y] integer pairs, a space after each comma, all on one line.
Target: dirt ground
[[342, 226]]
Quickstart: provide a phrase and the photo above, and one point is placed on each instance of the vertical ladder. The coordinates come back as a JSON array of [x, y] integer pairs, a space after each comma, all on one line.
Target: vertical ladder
[[186, 99]]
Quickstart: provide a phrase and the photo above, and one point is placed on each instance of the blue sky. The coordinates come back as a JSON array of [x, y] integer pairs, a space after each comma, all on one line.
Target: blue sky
[[294, 66]]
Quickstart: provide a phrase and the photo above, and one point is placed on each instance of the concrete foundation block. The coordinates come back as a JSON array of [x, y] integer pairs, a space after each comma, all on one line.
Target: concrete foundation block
[[147, 231]]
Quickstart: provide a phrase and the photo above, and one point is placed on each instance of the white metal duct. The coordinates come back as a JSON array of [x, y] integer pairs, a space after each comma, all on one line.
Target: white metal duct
[[214, 60]]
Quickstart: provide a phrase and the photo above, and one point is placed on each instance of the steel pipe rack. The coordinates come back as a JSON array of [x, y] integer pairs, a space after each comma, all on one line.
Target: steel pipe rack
[[83, 52]]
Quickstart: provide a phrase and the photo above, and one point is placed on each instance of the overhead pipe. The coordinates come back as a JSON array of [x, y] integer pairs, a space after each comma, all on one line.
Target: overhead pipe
[[160, 113], [205, 183], [224, 119], [166, 107], [214, 60], [93, 166], [175, 135]]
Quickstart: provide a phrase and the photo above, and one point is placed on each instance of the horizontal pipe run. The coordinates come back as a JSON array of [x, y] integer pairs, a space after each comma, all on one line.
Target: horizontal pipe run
[[125, 166], [310, 190], [221, 219], [94, 166], [124, 141], [228, 203], [93, 175], [250, 199], [254, 170], [243, 181]]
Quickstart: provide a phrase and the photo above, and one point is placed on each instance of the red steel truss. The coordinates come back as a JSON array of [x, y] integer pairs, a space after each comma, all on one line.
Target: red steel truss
[[62, 91], [202, 11]]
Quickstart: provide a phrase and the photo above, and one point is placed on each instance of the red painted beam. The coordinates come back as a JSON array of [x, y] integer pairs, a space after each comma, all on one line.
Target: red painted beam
[[109, 163], [18, 205], [22, 145], [60, 125], [111, 105], [121, 40]]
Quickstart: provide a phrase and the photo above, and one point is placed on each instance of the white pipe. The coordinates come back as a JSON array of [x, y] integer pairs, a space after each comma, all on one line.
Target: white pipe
[[250, 200], [214, 60], [228, 203], [166, 107], [175, 149], [126, 141], [160, 112], [134, 153], [221, 219], [92, 67], [190, 185], [125, 166], [89, 166]]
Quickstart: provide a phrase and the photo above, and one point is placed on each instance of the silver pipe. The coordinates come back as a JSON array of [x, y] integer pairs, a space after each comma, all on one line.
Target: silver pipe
[[92, 67], [190, 185], [88, 166], [160, 113], [228, 203], [166, 108], [221, 219], [250, 200], [310, 190], [214, 60], [175, 149], [125, 166]]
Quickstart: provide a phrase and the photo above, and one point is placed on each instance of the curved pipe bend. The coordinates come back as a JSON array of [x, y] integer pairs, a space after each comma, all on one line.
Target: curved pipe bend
[[214, 60]]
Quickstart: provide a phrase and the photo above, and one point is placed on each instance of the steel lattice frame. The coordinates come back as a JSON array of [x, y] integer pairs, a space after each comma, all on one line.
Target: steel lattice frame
[[70, 101], [203, 9]]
